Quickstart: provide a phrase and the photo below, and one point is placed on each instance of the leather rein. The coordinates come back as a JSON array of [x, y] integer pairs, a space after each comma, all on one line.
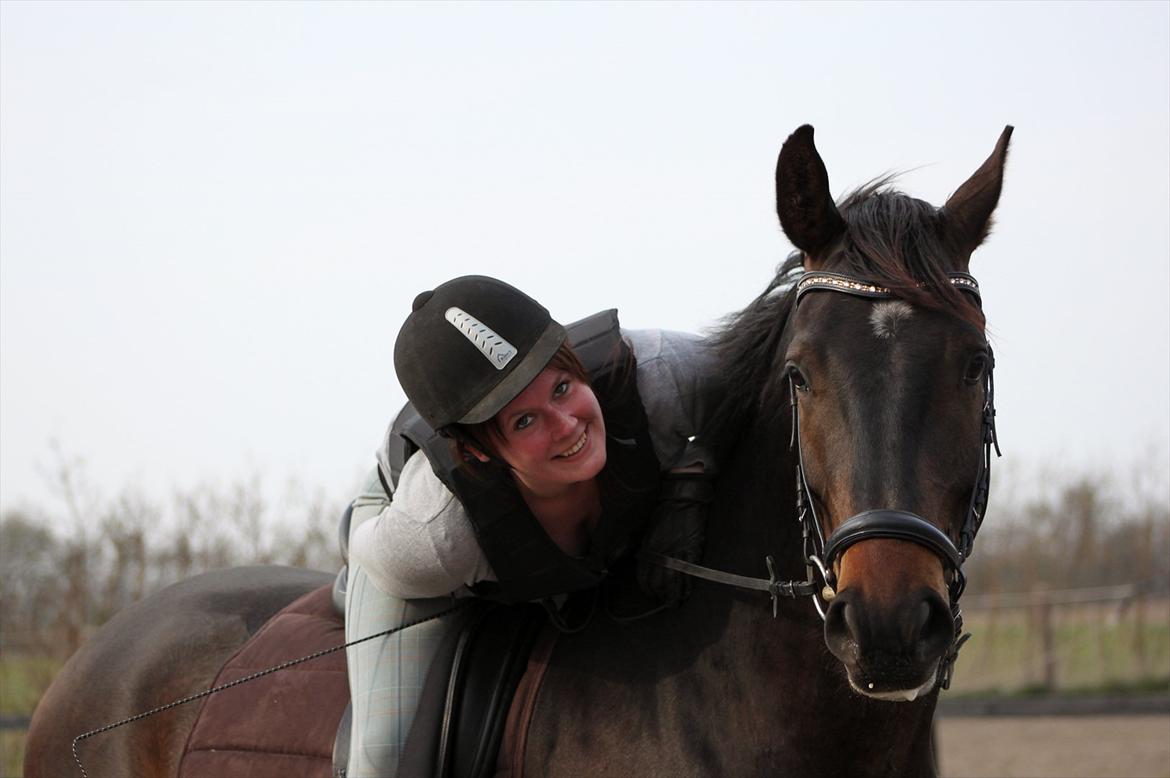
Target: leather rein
[[820, 554]]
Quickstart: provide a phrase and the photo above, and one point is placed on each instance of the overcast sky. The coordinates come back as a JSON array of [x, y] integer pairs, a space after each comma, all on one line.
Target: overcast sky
[[214, 216]]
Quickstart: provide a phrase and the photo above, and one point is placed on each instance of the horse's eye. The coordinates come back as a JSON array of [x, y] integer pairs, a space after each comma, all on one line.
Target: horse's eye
[[797, 377], [975, 369]]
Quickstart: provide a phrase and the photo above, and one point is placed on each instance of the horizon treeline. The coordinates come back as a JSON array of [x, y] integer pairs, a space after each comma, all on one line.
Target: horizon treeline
[[65, 571]]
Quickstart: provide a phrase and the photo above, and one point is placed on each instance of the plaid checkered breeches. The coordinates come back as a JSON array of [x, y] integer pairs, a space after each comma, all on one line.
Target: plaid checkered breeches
[[385, 675]]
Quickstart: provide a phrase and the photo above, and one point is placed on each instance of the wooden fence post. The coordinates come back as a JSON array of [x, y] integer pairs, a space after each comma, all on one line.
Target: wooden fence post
[[1139, 631], [1048, 645]]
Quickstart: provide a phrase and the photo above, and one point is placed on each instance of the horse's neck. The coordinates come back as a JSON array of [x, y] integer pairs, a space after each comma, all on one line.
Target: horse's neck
[[718, 686], [755, 513], [807, 697]]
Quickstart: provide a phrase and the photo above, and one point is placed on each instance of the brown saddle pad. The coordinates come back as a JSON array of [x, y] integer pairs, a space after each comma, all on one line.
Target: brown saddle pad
[[282, 724]]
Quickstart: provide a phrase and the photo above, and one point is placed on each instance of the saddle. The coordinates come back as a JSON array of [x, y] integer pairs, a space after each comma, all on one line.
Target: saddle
[[466, 705], [467, 695], [296, 721], [283, 723]]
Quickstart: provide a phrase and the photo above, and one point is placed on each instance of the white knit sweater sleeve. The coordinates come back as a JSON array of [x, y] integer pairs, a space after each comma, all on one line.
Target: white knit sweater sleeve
[[422, 544]]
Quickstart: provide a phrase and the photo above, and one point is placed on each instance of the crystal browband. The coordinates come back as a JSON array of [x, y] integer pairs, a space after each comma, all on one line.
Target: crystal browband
[[839, 282]]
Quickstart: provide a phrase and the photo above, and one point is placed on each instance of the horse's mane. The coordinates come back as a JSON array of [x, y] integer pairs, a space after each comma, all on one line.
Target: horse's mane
[[894, 240], [745, 344]]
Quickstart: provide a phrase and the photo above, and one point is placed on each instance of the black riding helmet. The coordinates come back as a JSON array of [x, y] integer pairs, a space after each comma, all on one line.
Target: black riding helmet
[[469, 347]]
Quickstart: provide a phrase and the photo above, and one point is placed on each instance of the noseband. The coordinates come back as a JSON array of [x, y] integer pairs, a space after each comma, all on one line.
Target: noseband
[[821, 554]]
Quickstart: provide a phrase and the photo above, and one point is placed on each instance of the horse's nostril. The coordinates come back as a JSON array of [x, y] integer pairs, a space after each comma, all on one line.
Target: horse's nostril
[[920, 625], [841, 628], [850, 612], [935, 627]]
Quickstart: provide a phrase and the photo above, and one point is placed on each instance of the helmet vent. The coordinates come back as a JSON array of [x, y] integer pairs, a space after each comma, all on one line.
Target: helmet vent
[[494, 348]]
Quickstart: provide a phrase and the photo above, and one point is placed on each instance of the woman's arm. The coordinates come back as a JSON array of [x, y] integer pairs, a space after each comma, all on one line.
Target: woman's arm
[[421, 544]]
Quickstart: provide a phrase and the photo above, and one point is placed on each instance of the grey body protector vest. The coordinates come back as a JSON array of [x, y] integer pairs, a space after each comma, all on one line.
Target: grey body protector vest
[[527, 563]]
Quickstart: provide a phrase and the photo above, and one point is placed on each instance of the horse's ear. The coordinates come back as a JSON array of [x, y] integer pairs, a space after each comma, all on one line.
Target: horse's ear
[[806, 209], [967, 214]]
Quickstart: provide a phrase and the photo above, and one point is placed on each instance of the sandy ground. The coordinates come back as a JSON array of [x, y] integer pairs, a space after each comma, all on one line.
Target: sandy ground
[[1059, 747]]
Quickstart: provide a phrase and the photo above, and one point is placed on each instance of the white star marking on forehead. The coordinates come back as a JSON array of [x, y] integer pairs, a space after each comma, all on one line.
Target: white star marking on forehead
[[888, 316]]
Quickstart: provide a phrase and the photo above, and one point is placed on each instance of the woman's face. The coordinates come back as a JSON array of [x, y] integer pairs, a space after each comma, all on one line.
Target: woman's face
[[553, 432]]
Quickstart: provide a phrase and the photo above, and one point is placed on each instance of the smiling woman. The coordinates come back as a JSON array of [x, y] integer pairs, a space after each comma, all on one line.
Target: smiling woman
[[552, 437], [526, 466], [552, 434]]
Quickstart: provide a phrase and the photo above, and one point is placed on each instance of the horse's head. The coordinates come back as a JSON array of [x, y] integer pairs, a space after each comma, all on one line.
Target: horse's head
[[889, 366]]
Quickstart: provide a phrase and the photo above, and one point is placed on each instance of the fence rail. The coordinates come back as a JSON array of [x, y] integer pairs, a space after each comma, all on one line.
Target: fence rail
[[19, 723], [1059, 640], [1080, 596]]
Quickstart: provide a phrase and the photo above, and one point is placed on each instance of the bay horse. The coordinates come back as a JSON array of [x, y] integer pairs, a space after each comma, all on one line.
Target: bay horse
[[854, 431]]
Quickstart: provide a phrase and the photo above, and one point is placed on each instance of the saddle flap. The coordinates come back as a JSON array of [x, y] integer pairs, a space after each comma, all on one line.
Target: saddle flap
[[465, 699]]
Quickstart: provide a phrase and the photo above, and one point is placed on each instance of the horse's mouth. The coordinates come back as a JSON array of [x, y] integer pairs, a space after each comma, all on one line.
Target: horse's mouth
[[893, 691], [874, 692]]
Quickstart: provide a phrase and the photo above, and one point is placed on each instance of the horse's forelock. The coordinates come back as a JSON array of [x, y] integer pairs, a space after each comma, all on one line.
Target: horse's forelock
[[897, 241]]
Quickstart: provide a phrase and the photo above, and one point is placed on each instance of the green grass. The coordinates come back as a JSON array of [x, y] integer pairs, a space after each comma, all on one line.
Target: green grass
[[1097, 649], [11, 754], [23, 679]]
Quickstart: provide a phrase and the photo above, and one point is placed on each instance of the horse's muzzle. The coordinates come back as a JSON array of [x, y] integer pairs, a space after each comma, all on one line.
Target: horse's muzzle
[[890, 652]]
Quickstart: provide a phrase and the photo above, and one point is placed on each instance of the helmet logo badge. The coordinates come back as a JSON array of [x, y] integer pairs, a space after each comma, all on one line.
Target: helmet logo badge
[[494, 348]]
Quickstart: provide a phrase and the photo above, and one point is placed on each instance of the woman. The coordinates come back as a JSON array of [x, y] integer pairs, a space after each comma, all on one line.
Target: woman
[[538, 468]]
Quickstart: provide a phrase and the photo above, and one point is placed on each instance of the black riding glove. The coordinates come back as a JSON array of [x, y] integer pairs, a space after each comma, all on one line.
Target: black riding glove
[[677, 529]]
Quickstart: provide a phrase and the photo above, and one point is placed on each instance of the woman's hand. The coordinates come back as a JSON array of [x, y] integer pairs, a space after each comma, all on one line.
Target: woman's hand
[[677, 529]]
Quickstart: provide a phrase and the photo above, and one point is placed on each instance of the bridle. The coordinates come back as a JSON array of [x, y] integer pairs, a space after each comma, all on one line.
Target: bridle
[[820, 553], [823, 553]]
